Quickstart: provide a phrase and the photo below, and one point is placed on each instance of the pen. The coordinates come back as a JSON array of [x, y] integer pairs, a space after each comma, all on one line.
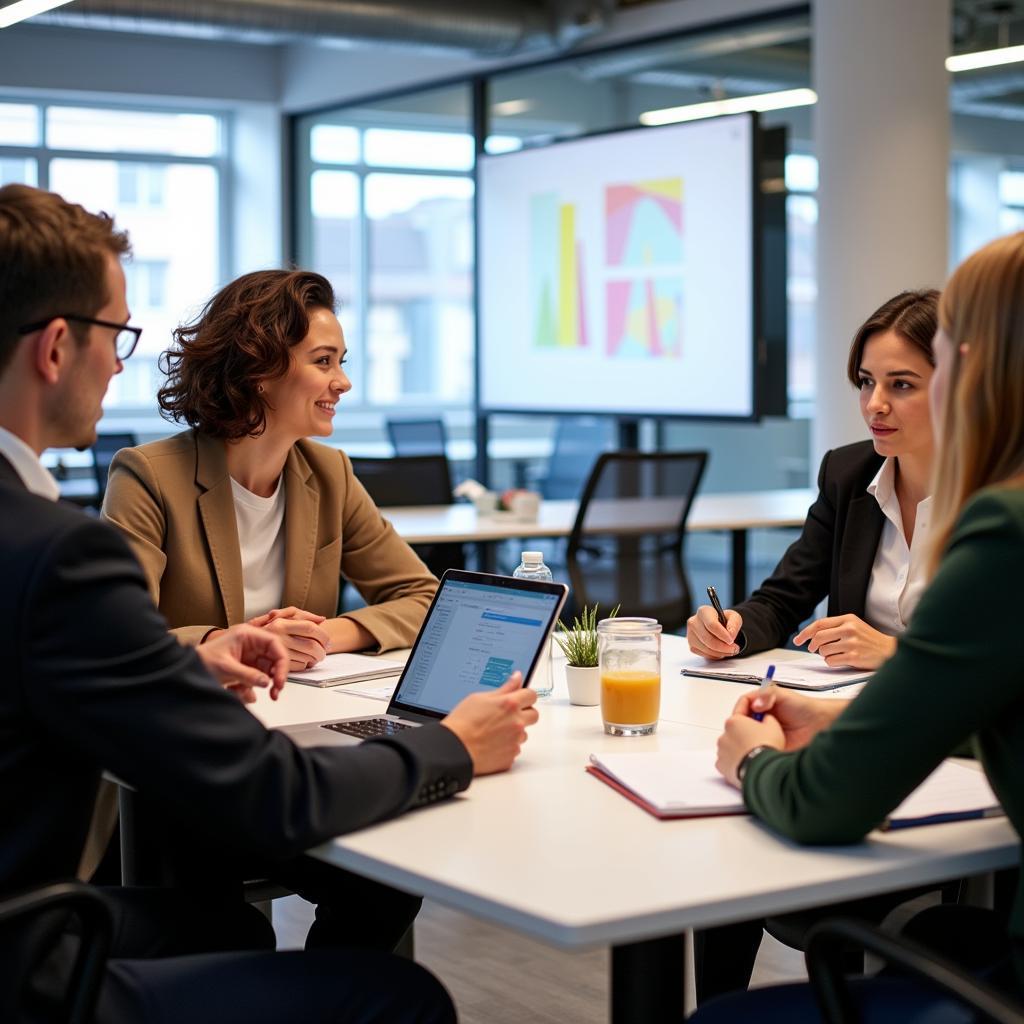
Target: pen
[[766, 684], [717, 605]]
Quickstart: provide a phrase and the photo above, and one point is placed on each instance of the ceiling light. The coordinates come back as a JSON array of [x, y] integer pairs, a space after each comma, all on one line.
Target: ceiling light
[[985, 58], [11, 14], [509, 108], [736, 105]]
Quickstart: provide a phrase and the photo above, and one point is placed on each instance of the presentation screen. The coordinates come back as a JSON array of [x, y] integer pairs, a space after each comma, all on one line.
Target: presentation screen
[[616, 273]]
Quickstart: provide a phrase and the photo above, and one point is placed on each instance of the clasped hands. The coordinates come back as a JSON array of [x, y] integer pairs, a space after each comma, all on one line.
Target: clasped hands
[[839, 639]]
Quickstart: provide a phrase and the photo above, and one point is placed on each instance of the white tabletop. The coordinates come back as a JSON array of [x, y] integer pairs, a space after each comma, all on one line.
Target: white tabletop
[[433, 524], [552, 852]]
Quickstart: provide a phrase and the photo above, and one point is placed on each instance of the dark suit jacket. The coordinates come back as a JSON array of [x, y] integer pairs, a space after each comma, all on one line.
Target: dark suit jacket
[[92, 680], [832, 557]]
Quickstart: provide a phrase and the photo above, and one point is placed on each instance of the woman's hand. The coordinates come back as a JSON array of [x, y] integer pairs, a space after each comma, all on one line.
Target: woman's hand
[[742, 734], [800, 718], [708, 637], [304, 638], [847, 640], [244, 658]]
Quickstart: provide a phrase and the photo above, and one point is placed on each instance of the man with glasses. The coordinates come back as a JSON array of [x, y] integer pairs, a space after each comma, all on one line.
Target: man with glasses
[[92, 681]]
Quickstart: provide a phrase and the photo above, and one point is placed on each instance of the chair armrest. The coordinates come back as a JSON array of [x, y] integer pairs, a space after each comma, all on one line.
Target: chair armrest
[[827, 941], [94, 914]]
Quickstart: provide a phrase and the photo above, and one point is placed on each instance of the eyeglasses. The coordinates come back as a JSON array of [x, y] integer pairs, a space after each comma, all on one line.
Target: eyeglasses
[[125, 339]]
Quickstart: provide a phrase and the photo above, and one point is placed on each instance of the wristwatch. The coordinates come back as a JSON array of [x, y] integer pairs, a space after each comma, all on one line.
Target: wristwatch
[[741, 768]]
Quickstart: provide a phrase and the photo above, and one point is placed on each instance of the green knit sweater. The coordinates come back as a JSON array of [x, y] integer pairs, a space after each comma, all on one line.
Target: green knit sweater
[[956, 673]]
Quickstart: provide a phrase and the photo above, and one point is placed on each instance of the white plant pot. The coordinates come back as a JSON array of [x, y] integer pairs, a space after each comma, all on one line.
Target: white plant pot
[[584, 685]]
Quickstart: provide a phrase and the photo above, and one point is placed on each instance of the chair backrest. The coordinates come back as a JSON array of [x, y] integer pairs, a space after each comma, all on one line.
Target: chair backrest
[[406, 480], [418, 437], [31, 926], [104, 449], [578, 442], [626, 546]]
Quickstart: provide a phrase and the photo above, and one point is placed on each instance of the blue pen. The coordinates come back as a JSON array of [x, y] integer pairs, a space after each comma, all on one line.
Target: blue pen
[[766, 684]]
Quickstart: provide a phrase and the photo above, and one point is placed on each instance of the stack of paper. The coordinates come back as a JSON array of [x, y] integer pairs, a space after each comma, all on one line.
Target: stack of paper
[[337, 669]]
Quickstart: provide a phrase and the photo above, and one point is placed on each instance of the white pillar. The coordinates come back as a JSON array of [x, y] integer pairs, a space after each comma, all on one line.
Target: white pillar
[[882, 138]]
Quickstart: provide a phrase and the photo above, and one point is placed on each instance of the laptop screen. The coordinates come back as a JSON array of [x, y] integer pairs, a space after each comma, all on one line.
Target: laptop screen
[[479, 630]]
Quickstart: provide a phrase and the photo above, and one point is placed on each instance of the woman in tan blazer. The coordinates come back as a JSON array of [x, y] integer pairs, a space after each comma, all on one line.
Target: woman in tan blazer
[[241, 518]]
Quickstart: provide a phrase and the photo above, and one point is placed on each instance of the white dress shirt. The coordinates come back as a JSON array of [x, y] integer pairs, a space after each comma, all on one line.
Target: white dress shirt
[[34, 475], [898, 574], [260, 524]]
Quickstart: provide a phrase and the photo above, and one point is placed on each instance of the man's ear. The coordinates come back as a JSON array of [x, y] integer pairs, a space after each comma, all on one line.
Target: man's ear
[[51, 350]]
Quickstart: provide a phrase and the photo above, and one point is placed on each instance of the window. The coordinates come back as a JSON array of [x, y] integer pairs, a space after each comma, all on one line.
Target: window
[[389, 191], [161, 174]]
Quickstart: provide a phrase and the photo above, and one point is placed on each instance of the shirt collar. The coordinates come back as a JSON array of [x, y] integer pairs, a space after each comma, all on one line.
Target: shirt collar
[[883, 487], [34, 475]]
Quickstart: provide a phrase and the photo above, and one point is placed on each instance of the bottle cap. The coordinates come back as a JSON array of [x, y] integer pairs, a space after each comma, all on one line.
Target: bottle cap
[[530, 557]]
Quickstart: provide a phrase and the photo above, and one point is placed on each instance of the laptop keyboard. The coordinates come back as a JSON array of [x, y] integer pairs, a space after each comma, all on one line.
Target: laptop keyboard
[[367, 727]]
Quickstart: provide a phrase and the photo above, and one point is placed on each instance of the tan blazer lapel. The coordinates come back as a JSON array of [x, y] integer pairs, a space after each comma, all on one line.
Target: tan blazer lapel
[[301, 515], [217, 511]]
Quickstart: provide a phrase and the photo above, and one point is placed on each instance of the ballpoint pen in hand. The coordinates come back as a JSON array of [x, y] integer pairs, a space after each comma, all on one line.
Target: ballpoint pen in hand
[[766, 684]]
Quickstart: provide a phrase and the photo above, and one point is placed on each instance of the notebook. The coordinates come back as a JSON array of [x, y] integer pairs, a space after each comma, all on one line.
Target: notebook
[[673, 784], [799, 670], [686, 784], [337, 669], [478, 630]]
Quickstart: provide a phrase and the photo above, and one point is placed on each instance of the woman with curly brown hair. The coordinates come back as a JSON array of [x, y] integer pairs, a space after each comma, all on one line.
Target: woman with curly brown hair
[[241, 517]]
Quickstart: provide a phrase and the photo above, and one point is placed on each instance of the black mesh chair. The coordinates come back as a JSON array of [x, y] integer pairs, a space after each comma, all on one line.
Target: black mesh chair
[[626, 546], [828, 945], [103, 452], [31, 925], [413, 480], [418, 437], [578, 442]]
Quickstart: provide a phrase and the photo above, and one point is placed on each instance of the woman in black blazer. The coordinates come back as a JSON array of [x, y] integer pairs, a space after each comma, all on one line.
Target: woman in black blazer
[[848, 551]]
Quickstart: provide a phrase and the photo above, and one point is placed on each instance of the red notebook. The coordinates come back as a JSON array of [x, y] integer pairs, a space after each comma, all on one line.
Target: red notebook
[[676, 784]]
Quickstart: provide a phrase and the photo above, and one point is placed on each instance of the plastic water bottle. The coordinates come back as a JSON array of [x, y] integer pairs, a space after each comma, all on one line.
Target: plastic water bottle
[[532, 567]]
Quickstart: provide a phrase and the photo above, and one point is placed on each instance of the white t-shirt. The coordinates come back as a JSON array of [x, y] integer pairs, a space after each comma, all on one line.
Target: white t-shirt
[[898, 574], [261, 541]]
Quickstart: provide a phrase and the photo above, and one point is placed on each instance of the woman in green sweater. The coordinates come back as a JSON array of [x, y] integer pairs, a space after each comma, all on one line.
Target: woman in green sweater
[[829, 772]]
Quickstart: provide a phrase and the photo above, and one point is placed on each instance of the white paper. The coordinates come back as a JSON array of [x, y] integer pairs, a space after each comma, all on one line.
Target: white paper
[[799, 667], [951, 789], [336, 669], [367, 690], [673, 781]]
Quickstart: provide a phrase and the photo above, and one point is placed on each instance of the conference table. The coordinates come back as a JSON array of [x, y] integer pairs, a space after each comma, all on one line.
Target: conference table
[[548, 851], [735, 514]]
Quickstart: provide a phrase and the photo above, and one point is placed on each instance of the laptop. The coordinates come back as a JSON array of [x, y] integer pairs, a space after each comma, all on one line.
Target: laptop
[[478, 630]]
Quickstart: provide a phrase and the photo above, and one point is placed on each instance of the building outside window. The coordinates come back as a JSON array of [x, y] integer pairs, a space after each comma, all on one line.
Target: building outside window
[[162, 175]]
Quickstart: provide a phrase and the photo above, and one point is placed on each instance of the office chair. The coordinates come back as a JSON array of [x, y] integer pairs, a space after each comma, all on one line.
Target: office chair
[[626, 546], [418, 437], [578, 442], [828, 942], [103, 452], [31, 924], [413, 480]]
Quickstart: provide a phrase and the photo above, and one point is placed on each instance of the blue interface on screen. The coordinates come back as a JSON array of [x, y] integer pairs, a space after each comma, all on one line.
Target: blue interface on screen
[[475, 638]]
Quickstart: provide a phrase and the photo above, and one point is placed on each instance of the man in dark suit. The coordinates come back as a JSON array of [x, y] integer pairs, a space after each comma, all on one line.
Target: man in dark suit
[[94, 682]]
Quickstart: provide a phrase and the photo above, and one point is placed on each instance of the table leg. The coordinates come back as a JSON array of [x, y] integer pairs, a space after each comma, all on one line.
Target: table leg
[[739, 566], [648, 981]]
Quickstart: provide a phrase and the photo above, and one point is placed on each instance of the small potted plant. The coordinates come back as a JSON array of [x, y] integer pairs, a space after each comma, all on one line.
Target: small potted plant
[[579, 644]]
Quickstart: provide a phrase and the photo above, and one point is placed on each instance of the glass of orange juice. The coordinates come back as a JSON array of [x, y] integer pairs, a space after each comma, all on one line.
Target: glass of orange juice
[[629, 657]]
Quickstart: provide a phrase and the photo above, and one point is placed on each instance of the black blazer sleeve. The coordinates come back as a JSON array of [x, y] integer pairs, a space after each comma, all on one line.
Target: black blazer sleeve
[[831, 558], [109, 687]]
